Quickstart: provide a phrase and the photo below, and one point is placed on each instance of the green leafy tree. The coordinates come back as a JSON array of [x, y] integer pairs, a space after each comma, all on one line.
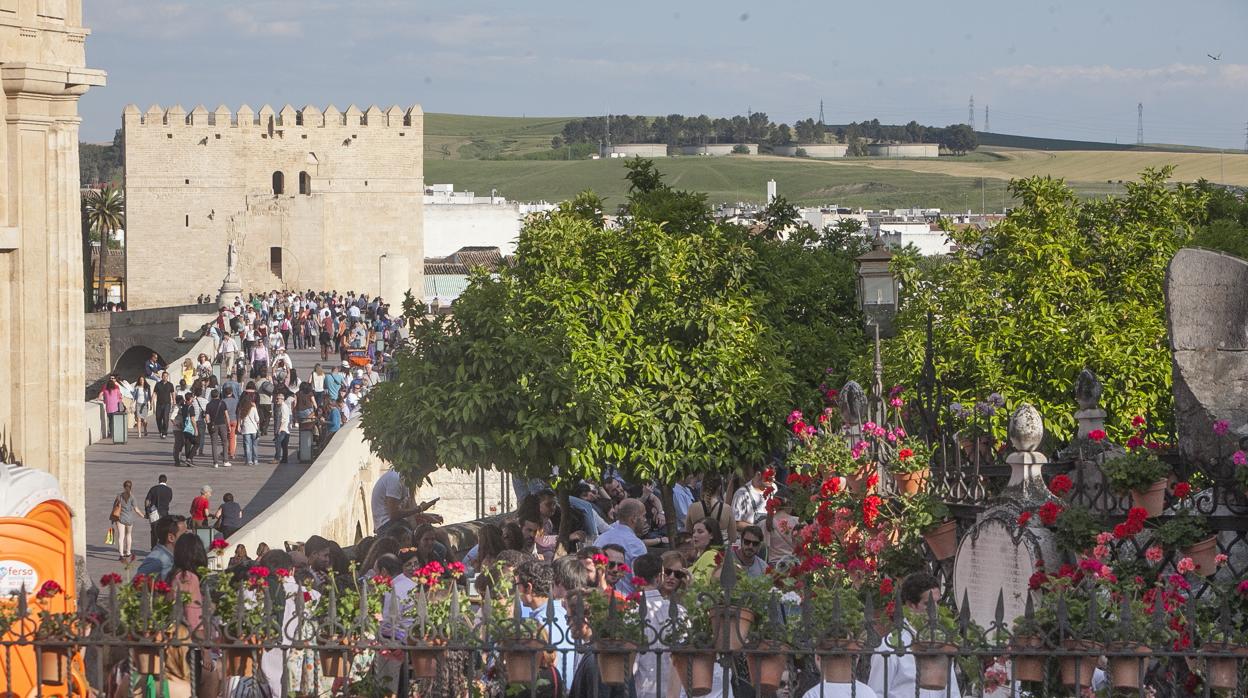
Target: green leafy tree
[[637, 347], [1059, 285], [958, 139]]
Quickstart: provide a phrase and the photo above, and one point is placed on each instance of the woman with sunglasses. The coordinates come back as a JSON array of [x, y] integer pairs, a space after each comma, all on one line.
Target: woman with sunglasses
[[674, 577]]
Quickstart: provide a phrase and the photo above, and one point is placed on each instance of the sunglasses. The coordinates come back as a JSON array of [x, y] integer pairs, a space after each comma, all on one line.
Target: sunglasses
[[679, 574], [750, 542], [616, 565]]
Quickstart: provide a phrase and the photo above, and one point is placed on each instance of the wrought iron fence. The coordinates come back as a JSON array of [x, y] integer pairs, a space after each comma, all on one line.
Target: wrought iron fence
[[285, 639]]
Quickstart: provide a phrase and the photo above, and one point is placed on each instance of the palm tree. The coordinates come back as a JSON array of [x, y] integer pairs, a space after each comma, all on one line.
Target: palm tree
[[104, 210]]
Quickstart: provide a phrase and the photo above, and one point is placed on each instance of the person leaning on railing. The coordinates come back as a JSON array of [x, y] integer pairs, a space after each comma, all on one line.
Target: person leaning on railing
[[894, 673]]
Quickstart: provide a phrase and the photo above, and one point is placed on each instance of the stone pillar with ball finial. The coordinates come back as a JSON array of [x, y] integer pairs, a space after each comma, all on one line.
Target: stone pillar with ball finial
[[1026, 431]]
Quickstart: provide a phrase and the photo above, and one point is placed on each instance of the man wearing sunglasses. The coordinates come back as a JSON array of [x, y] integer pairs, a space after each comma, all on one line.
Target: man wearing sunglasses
[[747, 551]]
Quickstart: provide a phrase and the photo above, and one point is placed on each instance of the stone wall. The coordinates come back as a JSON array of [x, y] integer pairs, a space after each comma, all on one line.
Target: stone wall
[[351, 190], [42, 62], [108, 335]]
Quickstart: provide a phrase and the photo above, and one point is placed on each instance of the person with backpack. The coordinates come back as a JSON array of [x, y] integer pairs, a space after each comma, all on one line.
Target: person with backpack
[[184, 433], [218, 414]]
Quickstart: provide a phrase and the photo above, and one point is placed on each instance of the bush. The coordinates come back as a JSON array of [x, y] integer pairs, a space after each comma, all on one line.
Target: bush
[[800, 152], [740, 149]]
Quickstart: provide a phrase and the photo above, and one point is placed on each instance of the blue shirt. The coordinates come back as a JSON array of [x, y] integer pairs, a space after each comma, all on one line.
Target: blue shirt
[[335, 420], [158, 563], [682, 499], [558, 632], [333, 384], [625, 537]]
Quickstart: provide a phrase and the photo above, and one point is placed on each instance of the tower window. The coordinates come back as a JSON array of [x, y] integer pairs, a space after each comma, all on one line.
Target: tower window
[[305, 183], [275, 261], [279, 183], [188, 220]]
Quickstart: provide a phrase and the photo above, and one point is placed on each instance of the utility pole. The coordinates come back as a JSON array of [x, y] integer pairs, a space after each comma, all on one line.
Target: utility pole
[[970, 113], [986, 126], [1139, 124], [821, 112]]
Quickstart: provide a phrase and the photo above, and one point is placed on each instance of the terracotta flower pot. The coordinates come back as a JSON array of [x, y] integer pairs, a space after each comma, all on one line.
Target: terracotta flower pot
[[1078, 668], [836, 660], [767, 664], [521, 659], [1223, 664], [942, 539], [1203, 554], [615, 661], [53, 665], [857, 481], [238, 661], [1153, 499], [696, 671], [147, 659], [425, 658], [911, 483], [1028, 667], [931, 660], [730, 627], [1127, 672]]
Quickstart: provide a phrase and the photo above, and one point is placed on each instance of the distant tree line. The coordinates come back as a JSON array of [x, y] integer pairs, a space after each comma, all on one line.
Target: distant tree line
[[678, 130], [100, 163]]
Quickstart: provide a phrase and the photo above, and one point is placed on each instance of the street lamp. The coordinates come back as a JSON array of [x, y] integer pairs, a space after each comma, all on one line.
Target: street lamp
[[877, 296]]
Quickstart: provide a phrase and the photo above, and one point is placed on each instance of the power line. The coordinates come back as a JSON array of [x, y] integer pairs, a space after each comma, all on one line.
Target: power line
[[1139, 124], [821, 112], [987, 128], [970, 113]]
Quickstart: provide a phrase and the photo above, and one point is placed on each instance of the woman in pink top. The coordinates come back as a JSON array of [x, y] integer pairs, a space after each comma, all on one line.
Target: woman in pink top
[[188, 556], [110, 394]]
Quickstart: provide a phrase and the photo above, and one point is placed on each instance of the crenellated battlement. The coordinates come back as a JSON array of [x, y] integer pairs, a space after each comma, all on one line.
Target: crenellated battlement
[[267, 118]]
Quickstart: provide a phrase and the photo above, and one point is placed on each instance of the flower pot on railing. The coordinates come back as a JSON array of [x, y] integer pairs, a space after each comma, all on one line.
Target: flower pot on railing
[[976, 449], [1223, 664], [836, 659], [54, 665], [1127, 671], [1153, 499], [147, 655], [1204, 554], [521, 659], [931, 661], [767, 664], [911, 483], [615, 660], [238, 660], [695, 669], [856, 482], [1028, 667], [425, 657], [942, 539], [335, 662], [1078, 665], [730, 626]]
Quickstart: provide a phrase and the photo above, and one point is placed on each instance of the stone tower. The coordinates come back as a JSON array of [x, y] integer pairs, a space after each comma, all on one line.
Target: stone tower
[[43, 65], [312, 199]]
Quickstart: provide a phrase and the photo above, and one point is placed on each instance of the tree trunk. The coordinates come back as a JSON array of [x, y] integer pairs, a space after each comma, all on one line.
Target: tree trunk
[[669, 513], [87, 270], [565, 519]]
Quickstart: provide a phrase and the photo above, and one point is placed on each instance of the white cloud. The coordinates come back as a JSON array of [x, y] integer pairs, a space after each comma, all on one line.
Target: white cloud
[[250, 24], [1175, 73]]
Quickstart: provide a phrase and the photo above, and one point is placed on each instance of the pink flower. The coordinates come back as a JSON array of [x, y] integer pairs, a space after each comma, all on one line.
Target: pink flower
[[794, 416], [1154, 554], [1220, 427], [1240, 458], [1185, 565], [1100, 552], [1134, 442], [895, 402], [1242, 589], [1219, 559], [869, 427], [1104, 537]]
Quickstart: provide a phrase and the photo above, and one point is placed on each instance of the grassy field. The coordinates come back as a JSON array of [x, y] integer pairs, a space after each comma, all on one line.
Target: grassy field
[[463, 149]]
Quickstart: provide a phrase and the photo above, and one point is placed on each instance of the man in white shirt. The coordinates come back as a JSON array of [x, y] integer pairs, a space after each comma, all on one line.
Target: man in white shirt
[[281, 428], [918, 590], [229, 352], [749, 504], [658, 623], [391, 501]]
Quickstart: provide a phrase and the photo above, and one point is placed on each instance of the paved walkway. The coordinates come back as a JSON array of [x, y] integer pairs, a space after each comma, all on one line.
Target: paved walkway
[[142, 460]]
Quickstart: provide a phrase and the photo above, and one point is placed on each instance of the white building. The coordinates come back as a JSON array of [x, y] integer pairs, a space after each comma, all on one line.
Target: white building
[[458, 219]]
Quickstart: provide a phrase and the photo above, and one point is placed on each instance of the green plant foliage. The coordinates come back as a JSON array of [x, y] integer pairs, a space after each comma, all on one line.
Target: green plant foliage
[[1058, 286]]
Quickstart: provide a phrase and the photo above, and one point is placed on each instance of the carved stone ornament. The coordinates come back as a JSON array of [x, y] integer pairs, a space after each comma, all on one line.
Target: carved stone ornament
[[1087, 390], [1026, 428], [853, 403]]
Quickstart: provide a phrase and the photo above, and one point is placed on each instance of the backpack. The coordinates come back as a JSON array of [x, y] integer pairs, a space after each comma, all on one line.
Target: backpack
[[188, 422]]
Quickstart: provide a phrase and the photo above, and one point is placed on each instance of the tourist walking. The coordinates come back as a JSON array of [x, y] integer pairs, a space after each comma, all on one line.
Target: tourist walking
[[125, 513], [229, 354], [164, 403], [110, 395], [218, 429], [281, 428], [156, 503], [185, 433], [142, 404], [249, 426]]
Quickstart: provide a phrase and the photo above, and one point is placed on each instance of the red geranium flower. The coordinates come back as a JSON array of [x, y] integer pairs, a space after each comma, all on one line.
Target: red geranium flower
[[258, 571], [110, 579], [1060, 485], [886, 586], [382, 580], [1097, 435], [1120, 531], [905, 454], [872, 480], [638, 582], [48, 590], [161, 586], [870, 510], [1137, 421], [1023, 518], [218, 544], [1182, 489], [1048, 513], [1037, 580], [600, 559]]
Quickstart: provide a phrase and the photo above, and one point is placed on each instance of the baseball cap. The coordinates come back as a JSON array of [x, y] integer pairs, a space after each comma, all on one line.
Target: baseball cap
[[346, 364]]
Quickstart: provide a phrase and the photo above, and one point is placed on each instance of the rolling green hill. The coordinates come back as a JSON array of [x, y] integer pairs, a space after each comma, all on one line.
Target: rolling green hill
[[460, 136]]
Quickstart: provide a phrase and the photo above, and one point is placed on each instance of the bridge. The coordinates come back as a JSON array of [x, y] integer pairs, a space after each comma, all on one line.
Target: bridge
[[121, 342]]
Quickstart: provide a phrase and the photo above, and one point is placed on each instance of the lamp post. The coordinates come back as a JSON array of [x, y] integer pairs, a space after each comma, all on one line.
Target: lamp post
[[877, 297]]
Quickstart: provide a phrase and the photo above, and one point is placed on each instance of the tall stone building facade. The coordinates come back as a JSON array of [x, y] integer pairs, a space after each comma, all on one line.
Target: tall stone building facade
[[43, 69], [312, 199]]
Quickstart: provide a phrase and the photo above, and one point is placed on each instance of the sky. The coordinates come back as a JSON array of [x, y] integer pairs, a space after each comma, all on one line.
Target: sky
[[1059, 69]]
